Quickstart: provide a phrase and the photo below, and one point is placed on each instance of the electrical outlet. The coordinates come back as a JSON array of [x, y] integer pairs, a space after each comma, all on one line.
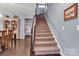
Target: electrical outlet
[[78, 27], [63, 28]]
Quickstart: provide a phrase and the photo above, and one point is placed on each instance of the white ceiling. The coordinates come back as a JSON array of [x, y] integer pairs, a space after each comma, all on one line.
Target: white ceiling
[[24, 9]]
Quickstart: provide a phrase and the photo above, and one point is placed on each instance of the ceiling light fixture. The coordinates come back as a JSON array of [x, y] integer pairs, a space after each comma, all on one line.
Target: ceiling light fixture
[[41, 6]]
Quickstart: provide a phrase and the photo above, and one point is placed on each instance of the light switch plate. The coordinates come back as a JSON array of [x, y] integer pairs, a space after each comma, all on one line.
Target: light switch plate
[[78, 27], [63, 28]]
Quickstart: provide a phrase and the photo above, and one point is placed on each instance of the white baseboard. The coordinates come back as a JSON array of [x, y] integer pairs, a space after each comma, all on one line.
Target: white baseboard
[[54, 36], [22, 38]]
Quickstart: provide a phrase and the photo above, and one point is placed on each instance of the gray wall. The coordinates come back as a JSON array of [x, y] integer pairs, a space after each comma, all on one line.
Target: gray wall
[[1, 24], [69, 37]]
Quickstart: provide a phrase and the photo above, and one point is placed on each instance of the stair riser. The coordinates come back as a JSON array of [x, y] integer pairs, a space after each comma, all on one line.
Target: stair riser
[[42, 22], [42, 25], [52, 50], [44, 40], [43, 31], [42, 28], [43, 35], [45, 53], [44, 45]]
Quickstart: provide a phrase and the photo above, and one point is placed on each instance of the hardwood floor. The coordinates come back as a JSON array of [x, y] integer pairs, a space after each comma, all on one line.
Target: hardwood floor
[[23, 47]]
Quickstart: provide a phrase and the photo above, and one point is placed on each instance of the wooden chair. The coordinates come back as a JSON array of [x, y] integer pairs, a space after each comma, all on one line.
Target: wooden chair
[[9, 39], [5, 39], [2, 48], [2, 40]]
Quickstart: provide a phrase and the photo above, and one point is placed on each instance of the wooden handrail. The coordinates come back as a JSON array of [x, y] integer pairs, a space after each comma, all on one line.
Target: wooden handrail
[[33, 36]]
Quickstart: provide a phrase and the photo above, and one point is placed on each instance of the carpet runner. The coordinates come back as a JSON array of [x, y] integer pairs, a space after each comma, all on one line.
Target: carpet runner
[[45, 43]]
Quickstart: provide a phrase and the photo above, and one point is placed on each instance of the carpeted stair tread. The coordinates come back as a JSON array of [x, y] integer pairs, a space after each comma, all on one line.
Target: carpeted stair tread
[[44, 39], [42, 28], [43, 31], [44, 53], [43, 34], [45, 43], [46, 49]]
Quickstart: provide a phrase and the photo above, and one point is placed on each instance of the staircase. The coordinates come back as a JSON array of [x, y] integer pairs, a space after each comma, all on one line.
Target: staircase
[[45, 43]]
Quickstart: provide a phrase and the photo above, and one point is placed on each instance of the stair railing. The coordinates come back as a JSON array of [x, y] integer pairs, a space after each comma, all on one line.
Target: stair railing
[[33, 36]]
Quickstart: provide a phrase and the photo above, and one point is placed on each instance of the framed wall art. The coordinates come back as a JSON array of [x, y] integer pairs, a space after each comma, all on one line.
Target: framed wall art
[[70, 12]]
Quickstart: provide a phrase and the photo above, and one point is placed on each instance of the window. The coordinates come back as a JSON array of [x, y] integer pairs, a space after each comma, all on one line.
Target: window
[[41, 6]]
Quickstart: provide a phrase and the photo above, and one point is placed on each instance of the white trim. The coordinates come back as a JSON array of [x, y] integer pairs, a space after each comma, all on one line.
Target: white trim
[[54, 37]]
